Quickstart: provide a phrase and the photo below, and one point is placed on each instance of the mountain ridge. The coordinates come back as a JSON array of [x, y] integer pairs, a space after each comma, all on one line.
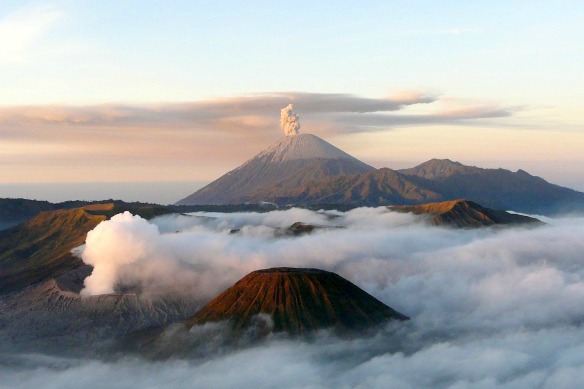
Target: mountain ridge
[[40, 248], [438, 168], [499, 189], [304, 170], [464, 214], [493, 188]]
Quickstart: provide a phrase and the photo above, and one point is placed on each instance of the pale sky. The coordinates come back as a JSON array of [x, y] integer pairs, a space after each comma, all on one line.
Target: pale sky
[[130, 91]]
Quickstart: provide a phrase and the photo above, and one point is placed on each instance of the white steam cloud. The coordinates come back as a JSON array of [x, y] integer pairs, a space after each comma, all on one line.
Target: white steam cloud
[[114, 243], [197, 255], [489, 308], [289, 121]]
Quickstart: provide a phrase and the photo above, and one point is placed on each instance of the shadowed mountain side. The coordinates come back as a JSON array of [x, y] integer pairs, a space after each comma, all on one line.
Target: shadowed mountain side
[[52, 312], [15, 211], [383, 186], [304, 170], [462, 213], [436, 169], [495, 188], [264, 183], [438, 180], [297, 300], [40, 248], [291, 162]]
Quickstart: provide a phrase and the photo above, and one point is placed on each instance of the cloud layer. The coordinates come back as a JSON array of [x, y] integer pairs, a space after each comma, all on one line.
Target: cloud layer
[[209, 112], [255, 111], [489, 308], [89, 143]]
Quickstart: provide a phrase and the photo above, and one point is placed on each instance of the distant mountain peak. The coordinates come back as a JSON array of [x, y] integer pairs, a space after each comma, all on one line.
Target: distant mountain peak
[[524, 173], [290, 163], [302, 146], [438, 168]]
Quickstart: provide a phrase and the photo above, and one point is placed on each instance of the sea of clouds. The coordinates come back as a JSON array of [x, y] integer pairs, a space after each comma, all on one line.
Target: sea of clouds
[[489, 308]]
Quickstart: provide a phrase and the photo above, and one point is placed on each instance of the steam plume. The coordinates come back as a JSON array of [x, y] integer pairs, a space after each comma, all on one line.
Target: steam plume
[[289, 121], [112, 244]]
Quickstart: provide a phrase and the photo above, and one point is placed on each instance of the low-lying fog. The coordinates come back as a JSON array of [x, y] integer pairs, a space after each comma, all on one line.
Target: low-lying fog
[[489, 307]]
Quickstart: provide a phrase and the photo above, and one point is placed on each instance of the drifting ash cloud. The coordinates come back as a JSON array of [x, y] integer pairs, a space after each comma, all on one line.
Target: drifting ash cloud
[[250, 113], [216, 133], [489, 308], [207, 111], [465, 116]]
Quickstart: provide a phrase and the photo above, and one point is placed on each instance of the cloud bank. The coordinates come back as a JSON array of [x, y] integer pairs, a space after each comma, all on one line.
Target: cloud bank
[[198, 113], [489, 308], [169, 140], [254, 112]]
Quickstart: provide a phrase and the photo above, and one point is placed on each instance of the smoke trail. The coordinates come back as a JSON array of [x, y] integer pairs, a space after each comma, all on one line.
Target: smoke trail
[[289, 121]]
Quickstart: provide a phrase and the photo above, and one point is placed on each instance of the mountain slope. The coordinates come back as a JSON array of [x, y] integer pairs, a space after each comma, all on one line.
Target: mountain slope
[[434, 181], [52, 312], [297, 300], [495, 188], [462, 213], [302, 146], [40, 248], [383, 186], [307, 171], [291, 162], [15, 211], [439, 169]]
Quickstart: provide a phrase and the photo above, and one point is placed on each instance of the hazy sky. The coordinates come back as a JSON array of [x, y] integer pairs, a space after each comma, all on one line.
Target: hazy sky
[[106, 91]]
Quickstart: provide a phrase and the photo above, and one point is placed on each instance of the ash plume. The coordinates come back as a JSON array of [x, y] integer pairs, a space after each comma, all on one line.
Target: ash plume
[[289, 121]]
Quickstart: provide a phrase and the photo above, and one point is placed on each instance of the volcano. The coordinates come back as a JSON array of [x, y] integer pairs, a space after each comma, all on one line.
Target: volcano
[[298, 300], [292, 162], [465, 214]]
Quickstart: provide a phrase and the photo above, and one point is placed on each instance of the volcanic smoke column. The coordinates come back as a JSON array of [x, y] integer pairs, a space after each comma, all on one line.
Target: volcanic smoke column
[[289, 121]]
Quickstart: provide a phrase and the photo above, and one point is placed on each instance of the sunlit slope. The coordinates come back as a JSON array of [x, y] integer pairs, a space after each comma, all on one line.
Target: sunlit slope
[[297, 300], [462, 213], [40, 248]]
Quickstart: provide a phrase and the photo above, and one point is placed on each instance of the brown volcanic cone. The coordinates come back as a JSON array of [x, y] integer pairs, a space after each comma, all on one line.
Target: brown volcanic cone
[[298, 300], [464, 213]]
